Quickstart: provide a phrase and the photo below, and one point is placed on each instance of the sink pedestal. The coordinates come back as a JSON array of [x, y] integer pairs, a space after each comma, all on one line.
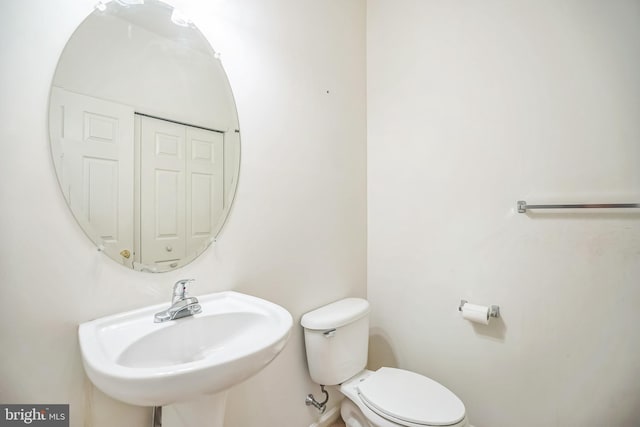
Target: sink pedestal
[[205, 411]]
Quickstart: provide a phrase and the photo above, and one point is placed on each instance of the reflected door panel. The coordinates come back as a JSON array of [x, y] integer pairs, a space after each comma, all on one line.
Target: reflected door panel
[[96, 161], [162, 191], [181, 190], [205, 184]]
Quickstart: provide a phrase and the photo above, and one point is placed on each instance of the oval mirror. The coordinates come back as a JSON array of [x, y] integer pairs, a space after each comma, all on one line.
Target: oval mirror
[[144, 134]]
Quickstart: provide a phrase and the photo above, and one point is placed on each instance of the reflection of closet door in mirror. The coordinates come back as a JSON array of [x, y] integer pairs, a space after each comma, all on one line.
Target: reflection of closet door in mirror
[[125, 61], [162, 192], [95, 164], [205, 186], [181, 190]]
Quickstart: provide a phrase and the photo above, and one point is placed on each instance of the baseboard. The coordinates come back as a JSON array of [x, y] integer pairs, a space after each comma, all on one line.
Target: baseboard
[[328, 417], [331, 416]]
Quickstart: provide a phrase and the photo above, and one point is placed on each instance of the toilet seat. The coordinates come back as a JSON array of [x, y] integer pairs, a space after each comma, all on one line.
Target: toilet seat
[[410, 399]]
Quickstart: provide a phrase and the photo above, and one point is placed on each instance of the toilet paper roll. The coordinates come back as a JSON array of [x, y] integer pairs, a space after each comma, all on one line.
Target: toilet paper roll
[[476, 313]]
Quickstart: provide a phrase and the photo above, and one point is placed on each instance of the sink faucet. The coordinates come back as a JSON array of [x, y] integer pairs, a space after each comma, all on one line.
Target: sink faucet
[[181, 304]]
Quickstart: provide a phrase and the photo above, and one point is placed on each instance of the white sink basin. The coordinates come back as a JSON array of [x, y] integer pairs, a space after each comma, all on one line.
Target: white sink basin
[[137, 361]]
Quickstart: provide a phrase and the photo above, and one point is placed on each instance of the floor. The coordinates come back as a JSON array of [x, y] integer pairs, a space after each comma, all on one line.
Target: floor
[[338, 423]]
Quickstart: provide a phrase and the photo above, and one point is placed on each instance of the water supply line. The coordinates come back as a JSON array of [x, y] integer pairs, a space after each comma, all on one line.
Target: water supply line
[[320, 406]]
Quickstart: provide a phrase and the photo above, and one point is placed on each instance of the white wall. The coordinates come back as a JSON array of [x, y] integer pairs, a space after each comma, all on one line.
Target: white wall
[[471, 107], [296, 236]]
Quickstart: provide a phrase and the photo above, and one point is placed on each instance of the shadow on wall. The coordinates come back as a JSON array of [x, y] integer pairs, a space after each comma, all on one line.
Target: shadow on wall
[[496, 330], [592, 215], [380, 351]]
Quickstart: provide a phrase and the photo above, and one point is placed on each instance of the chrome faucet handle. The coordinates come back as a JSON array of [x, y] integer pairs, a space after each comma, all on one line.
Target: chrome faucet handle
[[180, 290]]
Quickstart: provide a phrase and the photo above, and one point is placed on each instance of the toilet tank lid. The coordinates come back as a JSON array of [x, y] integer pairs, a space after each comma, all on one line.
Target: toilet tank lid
[[336, 314]]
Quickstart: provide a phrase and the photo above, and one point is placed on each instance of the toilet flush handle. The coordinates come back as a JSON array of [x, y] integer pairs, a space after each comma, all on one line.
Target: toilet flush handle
[[330, 333]]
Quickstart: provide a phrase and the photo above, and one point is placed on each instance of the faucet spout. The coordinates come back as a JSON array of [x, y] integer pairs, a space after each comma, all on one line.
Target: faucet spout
[[181, 304], [180, 290]]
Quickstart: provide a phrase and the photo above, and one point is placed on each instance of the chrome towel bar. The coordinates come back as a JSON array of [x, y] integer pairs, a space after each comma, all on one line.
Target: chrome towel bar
[[523, 206]]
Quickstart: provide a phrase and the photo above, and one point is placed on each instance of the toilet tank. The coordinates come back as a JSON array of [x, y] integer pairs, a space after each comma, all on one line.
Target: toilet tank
[[337, 340]]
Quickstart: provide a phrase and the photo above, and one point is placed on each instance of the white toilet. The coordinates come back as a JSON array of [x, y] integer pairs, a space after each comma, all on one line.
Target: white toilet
[[337, 341]]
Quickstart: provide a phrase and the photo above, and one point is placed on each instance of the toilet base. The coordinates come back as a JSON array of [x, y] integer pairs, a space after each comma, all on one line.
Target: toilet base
[[352, 416], [354, 412]]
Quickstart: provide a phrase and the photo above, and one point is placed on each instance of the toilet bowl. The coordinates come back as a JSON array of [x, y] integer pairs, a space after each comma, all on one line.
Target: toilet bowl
[[385, 399], [336, 341]]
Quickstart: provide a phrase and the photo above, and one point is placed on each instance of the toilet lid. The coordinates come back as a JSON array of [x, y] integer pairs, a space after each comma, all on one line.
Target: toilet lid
[[409, 397]]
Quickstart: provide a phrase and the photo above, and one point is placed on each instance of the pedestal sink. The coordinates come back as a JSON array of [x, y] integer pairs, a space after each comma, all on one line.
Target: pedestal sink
[[189, 362]]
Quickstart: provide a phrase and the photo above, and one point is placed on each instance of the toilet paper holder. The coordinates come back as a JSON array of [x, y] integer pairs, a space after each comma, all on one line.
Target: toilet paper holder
[[494, 310]]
